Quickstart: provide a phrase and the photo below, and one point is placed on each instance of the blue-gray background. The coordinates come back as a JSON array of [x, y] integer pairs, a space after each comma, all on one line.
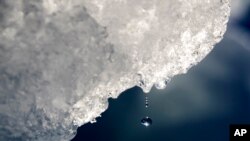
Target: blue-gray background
[[197, 106]]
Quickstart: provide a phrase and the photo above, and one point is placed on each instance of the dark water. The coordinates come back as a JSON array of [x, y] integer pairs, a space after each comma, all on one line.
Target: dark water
[[197, 106]]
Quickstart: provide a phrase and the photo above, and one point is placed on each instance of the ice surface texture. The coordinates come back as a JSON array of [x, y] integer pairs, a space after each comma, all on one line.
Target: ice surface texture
[[61, 60]]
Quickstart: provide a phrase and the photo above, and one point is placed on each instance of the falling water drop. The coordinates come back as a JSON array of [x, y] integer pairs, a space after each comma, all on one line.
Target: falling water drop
[[146, 121], [146, 102]]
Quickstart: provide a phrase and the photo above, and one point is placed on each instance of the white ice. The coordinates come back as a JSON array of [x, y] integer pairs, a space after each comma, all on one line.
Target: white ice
[[61, 60]]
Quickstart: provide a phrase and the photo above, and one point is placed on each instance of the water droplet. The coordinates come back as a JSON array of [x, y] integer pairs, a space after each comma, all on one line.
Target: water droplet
[[146, 121], [162, 84], [146, 102]]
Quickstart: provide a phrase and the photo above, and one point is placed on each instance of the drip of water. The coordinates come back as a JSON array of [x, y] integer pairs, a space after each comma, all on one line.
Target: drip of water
[[146, 102], [146, 121]]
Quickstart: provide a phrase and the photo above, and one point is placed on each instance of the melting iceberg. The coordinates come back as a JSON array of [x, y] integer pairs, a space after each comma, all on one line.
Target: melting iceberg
[[61, 60]]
